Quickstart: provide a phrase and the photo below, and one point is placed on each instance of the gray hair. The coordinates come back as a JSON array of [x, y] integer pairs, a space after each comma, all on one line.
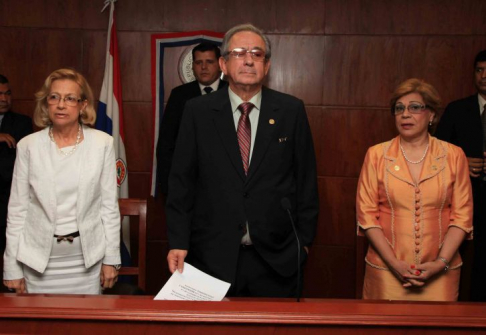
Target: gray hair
[[245, 27]]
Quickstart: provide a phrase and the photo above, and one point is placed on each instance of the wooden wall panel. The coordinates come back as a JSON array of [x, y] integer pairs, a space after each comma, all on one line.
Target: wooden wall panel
[[25, 107], [23, 13], [93, 68], [296, 66], [330, 272], [138, 184], [342, 136], [273, 16], [359, 70], [432, 17], [135, 66], [364, 70], [337, 215], [138, 139], [300, 17], [13, 59]]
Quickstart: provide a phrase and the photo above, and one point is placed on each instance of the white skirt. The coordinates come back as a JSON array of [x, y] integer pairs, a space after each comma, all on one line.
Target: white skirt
[[65, 272]]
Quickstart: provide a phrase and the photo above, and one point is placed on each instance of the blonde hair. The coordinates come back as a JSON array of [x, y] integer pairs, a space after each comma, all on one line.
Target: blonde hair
[[41, 114], [427, 92]]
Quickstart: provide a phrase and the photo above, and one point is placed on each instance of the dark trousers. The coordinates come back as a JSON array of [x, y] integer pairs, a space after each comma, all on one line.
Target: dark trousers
[[255, 278], [3, 222], [478, 280]]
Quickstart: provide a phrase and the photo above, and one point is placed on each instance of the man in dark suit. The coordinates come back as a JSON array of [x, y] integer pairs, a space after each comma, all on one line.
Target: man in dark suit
[[462, 125], [240, 152], [13, 127], [206, 69]]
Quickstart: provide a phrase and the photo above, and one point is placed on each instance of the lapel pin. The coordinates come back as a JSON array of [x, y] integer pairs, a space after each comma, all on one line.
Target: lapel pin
[[271, 121], [397, 168]]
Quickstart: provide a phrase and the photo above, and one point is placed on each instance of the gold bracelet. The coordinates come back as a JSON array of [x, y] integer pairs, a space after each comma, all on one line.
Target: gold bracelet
[[447, 265]]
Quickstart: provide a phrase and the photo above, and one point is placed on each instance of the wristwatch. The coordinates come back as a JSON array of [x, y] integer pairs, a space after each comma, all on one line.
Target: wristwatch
[[116, 266], [447, 265]]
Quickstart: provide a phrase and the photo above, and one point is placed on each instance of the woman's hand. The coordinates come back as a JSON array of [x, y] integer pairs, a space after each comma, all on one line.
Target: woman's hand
[[17, 284], [406, 273], [108, 276], [426, 271]]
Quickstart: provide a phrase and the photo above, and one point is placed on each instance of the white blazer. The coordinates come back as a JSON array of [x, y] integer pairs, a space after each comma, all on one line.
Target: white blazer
[[32, 206]]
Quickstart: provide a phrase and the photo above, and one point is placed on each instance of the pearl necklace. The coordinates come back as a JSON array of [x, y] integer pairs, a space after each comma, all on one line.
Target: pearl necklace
[[414, 162], [51, 135]]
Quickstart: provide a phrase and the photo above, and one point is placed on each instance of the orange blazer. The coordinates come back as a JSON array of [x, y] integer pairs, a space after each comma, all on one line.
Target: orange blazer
[[414, 218]]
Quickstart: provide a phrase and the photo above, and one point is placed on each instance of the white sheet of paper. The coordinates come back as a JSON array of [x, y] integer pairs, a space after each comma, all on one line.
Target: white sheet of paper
[[193, 284]]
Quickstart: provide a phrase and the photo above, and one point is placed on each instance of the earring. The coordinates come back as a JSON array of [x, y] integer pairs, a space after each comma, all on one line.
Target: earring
[[430, 123]]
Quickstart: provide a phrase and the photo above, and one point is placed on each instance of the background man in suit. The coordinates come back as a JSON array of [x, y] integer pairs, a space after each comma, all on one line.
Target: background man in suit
[[13, 127], [234, 163], [207, 72], [463, 124]]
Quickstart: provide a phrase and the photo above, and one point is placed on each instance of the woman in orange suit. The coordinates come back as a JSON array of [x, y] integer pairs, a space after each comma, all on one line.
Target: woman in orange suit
[[414, 204]]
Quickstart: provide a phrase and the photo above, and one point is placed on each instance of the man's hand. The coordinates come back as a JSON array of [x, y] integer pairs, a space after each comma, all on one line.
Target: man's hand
[[476, 166], [17, 284], [484, 162], [175, 258], [4, 137]]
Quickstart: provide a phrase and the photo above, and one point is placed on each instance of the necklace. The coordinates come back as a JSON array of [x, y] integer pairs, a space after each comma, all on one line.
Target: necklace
[[414, 162], [51, 135]]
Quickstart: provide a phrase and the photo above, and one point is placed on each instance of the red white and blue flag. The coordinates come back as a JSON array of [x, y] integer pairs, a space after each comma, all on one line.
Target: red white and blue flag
[[159, 43], [110, 115]]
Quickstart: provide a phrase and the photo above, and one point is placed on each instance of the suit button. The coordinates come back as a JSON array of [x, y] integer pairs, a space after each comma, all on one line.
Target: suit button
[[241, 226], [245, 195]]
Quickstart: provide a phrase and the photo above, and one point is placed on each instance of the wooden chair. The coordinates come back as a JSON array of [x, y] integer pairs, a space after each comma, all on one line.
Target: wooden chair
[[137, 207]]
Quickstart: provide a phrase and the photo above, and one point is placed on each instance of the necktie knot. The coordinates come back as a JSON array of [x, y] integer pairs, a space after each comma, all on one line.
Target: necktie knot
[[245, 108], [208, 89]]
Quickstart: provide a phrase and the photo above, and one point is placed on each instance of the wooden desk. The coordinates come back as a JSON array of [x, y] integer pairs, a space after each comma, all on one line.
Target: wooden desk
[[51, 314]]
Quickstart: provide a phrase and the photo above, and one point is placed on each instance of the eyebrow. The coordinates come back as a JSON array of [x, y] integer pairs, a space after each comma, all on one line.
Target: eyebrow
[[418, 102]]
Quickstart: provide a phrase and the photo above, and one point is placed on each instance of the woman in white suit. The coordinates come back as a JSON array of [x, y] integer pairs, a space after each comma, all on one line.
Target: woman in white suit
[[63, 225]]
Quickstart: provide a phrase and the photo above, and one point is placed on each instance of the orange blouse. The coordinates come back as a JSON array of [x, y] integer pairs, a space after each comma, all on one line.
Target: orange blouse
[[414, 218]]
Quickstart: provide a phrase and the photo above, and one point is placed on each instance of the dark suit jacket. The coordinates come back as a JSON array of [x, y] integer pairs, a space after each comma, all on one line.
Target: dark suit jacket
[[18, 126], [461, 125], [210, 199], [169, 128]]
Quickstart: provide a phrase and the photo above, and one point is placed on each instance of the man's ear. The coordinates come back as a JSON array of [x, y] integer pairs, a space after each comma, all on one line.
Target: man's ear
[[222, 65]]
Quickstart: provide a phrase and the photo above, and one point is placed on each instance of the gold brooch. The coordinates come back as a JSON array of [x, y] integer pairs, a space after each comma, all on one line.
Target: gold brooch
[[271, 121]]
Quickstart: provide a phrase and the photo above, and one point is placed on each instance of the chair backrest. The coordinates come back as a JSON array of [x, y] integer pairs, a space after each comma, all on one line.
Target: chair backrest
[[137, 207]]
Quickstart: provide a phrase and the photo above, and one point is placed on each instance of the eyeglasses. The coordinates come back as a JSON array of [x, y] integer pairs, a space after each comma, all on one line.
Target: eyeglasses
[[413, 108], [71, 101], [256, 54]]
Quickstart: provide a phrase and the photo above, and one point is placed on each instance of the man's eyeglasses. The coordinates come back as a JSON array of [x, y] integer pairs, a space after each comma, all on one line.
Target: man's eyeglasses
[[413, 108], [71, 101], [256, 54]]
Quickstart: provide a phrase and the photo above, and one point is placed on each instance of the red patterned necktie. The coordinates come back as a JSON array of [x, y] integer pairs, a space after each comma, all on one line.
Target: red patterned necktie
[[244, 133]]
